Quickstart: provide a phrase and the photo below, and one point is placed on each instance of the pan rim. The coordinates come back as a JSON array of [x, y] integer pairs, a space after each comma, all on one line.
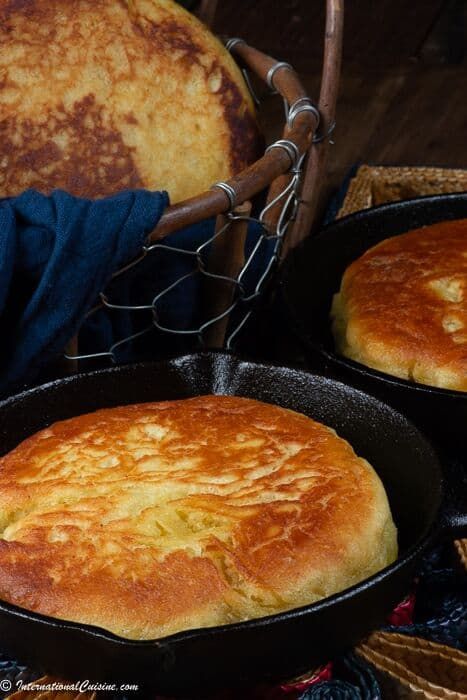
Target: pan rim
[[182, 636], [301, 327]]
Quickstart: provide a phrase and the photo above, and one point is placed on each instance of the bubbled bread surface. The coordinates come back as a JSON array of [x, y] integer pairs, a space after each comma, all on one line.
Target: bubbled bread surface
[[402, 306], [98, 96], [154, 518]]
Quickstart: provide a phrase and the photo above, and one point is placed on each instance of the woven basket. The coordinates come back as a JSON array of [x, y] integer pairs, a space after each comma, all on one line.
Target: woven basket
[[50, 694], [374, 185], [410, 667], [287, 177]]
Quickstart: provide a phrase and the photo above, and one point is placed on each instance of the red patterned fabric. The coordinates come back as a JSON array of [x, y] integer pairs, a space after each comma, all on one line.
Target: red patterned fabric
[[403, 613]]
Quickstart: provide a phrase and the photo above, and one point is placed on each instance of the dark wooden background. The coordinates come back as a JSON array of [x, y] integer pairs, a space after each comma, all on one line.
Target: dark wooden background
[[403, 98], [403, 95]]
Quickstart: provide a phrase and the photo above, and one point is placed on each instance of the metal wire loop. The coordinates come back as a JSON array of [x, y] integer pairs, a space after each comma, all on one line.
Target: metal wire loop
[[229, 191], [303, 104], [318, 138], [256, 99], [258, 247], [273, 70], [231, 43], [290, 148]]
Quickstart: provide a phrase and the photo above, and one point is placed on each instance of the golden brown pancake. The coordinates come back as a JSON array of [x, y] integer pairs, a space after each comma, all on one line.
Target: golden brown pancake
[[402, 306], [153, 518], [97, 96]]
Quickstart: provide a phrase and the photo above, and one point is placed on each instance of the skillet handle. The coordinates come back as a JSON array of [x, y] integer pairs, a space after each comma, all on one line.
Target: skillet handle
[[454, 510]]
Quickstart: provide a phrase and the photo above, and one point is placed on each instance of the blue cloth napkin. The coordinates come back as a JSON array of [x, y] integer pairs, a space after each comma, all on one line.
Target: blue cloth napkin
[[56, 254]]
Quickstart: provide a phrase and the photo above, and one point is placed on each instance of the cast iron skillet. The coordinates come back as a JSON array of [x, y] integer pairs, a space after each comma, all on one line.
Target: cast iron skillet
[[272, 648], [312, 274]]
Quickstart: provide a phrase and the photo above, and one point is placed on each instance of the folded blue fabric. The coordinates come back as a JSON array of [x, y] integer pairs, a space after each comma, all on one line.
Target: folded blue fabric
[[353, 679], [56, 254]]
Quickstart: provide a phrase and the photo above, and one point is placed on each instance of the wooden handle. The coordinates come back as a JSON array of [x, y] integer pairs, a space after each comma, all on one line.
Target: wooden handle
[[227, 259], [264, 171], [273, 168], [316, 162]]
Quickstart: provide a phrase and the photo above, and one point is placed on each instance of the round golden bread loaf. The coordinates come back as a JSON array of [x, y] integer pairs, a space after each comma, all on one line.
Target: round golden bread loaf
[[98, 96], [402, 306], [153, 518]]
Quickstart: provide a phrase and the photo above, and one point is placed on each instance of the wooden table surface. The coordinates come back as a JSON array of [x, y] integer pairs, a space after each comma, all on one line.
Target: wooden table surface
[[403, 97]]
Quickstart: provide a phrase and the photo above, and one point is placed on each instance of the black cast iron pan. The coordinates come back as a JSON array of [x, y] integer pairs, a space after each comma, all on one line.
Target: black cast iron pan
[[272, 648], [313, 273]]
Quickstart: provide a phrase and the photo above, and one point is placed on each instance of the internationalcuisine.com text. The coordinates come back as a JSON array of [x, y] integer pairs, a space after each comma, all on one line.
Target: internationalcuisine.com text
[[85, 686]]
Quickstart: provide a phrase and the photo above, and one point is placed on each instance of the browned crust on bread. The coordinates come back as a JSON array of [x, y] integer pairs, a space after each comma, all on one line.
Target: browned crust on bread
[[29, 148], [152, 518], [104, 95], [402, 307]]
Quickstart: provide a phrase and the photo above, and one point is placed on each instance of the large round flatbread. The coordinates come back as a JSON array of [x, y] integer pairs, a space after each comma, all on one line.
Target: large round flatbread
[[154, 518], [402, 306], [98, 96]]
